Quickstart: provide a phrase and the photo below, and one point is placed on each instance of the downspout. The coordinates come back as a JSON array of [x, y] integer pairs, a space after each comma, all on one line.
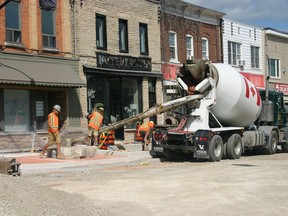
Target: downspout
[[221, 40], [74, 23]]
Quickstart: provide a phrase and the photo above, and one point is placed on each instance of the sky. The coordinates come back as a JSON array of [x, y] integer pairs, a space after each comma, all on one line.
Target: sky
[[260, 13]]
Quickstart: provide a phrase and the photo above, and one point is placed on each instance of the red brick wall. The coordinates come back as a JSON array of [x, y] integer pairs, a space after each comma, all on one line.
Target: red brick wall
[[196, 29], [26, 31]]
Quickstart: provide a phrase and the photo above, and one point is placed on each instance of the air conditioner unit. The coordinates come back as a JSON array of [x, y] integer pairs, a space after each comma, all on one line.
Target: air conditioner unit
[[241, 63]]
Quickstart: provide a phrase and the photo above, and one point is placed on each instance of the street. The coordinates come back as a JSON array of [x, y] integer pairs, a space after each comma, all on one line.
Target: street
[[252, 185]]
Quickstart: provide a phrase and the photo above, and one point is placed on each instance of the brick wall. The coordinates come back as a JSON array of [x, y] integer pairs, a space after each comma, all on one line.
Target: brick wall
[[197, 30]]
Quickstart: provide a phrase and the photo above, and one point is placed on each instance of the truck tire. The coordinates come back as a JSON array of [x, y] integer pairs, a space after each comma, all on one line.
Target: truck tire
[[215, 148], [234, 147], [273, 142], [224, 156]]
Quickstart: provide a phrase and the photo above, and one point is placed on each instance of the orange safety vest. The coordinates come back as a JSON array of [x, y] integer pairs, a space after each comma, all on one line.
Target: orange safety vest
[[145, 126], [52, 122], [96, 120]]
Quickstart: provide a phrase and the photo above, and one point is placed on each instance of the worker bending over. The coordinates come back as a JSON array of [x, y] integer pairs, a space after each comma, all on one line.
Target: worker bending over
[[145, 131], [95, 121]]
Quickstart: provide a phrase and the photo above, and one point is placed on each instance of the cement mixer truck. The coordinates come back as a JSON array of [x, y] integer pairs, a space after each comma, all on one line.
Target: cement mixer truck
[[232, 116]]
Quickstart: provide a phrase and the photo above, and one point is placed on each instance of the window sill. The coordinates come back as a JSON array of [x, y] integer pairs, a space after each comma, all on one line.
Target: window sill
[[15, 45], [174, 61], [50, 50]]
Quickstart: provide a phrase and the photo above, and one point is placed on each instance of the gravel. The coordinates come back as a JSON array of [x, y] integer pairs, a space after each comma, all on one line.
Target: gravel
[[19, 197]]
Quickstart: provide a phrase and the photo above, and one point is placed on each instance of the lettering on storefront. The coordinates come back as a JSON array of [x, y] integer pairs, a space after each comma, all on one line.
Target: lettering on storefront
[[123, 62], [282, 87]]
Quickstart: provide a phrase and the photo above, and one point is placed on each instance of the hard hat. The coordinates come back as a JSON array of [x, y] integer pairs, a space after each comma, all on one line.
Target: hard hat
[[87, 114], [152, 122], [101, 108], [57, 107]]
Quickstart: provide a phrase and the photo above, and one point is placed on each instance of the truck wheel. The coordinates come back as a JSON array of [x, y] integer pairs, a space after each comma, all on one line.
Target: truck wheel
[[215, 148], [224, 156], [284, 147], [273, 142], [234, 147]]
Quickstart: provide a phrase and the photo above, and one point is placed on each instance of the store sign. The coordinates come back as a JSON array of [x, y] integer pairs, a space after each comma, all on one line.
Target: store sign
[[123, 62], [169, 72], [256, 79], [282, 87]]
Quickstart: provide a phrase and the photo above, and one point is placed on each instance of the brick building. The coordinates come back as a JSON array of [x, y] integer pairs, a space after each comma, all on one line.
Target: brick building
[[37, 70], [187, 32], [118, 44]]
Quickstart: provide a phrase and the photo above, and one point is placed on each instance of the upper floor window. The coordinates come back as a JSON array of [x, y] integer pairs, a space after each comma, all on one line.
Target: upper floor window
[[189, 47], [173, 46], [143, 35], [254, 57], [273, 67], [101, 35], [48, 29], [205, 48], [13, 22], [123, 36], [234, 53]]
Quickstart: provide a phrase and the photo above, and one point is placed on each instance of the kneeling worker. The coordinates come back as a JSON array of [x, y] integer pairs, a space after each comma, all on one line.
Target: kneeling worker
[[145, 131], [95, 121]]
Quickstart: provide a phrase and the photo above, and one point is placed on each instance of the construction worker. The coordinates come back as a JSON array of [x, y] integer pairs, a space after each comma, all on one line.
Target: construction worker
[[95, 121], [53, 132], [145, 130]]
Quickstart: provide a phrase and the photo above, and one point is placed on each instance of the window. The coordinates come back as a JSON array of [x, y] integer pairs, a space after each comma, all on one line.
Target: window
[[123, 36], [101, 35], [13, 22], [273, 67], [254, 57], [189, 47], [48, 29], [234, 52], [173, 46], [143, 35], [205, 48], [16, 110]]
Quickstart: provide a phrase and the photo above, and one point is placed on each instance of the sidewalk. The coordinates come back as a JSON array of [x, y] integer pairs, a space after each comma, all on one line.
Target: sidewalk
[[31, 163]]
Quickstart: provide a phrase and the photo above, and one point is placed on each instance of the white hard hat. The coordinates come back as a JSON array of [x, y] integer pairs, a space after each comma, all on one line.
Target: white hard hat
[[101, 108], [57, 107], [152, 122]]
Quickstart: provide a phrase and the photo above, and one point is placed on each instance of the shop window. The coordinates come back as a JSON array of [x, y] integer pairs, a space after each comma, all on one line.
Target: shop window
[[123, 36], [13, 22], [48, 29], [101, 35], [16, 110], [143, 35]]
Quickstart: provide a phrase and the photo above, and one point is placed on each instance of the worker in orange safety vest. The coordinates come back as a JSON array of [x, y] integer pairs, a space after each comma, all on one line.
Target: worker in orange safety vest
[[95, 122], [53, 132], [145, 130]]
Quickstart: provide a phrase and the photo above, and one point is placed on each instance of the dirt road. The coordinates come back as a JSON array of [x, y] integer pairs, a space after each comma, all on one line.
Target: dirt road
[[253, 185]]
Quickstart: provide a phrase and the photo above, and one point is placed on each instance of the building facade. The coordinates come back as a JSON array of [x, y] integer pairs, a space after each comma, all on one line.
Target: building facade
[[187, 32], [275, 53], [118, 44], [242, 49], [37, 70]]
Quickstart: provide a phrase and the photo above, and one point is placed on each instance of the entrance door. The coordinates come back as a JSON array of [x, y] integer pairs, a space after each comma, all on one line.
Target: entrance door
[[115, 105]]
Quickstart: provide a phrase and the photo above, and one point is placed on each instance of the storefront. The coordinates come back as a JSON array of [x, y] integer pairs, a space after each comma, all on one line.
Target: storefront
[[29, 87], [124, 85]]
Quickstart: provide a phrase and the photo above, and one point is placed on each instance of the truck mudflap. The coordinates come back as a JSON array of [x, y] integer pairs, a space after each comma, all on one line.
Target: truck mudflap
[[201, 140]]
